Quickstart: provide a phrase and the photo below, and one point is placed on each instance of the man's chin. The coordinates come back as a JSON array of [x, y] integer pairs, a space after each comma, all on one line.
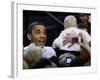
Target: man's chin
[[41, 45]]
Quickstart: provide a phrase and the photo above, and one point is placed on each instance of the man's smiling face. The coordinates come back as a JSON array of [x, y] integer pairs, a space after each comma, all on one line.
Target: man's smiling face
[[38, 35]]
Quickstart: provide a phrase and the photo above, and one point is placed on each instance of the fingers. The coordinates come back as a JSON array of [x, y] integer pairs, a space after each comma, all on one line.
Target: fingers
[[71, 45], [67, 40]]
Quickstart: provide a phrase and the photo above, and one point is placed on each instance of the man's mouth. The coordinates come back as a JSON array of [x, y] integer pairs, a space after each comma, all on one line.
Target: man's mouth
[[41, 42]]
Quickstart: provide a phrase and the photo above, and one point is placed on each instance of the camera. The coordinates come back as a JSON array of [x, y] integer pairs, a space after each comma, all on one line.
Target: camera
[[68, 60]]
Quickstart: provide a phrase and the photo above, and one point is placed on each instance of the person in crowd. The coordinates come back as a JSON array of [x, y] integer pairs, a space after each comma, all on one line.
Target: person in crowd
[[83, 26], [68, 41], [85, 19], [36, 53], [63, 41], [32, 54], [84, 59]]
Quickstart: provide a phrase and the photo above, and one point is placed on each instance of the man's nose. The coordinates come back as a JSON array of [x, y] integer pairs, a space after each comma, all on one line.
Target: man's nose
[[42, 35]]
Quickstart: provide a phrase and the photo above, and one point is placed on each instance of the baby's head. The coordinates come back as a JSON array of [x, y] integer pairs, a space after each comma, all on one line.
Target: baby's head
[[70, 21], [32, 53]]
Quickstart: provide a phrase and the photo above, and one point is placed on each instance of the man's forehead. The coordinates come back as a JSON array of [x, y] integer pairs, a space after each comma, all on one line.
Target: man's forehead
[[39, 27]]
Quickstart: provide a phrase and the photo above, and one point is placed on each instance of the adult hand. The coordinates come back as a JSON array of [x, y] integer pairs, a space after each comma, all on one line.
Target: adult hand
[[67, 39], [84, 44]]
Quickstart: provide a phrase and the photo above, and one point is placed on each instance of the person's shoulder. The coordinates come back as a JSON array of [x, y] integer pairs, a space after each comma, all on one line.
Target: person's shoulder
[[48, 47], [84, 32], [81, 30], [25, 48], [86, 35], [50, 51]]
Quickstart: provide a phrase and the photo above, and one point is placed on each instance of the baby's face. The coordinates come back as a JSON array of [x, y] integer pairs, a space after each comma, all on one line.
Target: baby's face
[[33, 53], [37, 56], [34, 56]]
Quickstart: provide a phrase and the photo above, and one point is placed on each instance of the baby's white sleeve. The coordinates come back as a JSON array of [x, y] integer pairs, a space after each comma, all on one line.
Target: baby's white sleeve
[[55, 43]]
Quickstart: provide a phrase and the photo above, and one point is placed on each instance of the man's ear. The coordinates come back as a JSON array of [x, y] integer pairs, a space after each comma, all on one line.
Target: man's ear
[[29, 36]]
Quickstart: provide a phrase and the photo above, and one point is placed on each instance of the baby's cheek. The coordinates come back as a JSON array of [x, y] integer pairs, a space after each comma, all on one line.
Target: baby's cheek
[[37, 57]]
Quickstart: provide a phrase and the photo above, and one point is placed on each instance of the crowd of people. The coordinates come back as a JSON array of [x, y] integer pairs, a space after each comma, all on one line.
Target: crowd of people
[[71, 48]]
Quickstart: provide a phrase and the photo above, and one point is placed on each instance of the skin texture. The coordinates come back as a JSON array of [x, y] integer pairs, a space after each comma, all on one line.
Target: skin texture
[[85, 44], [38, 35], [84, 18]]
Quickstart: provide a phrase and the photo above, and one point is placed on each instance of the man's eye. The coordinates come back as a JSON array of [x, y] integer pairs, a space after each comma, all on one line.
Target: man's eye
[[37, 32]]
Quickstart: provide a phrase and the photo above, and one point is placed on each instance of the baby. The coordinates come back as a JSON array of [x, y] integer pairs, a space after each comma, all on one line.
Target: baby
[[70, 37], [32, 54]]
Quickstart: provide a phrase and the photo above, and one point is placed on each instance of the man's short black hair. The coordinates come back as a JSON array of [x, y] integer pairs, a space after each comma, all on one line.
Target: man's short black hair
[[82, 25], [32, 25]]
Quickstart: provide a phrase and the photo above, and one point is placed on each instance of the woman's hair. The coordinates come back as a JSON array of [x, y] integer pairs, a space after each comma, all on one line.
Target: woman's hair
[[70, 21]]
